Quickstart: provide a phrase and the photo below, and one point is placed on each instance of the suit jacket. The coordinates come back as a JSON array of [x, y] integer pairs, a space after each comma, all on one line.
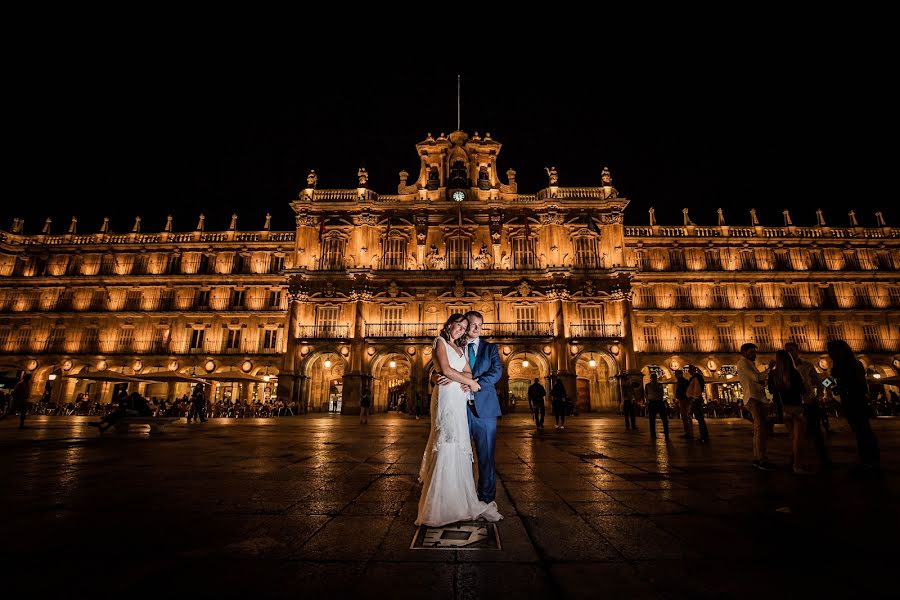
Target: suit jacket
[[487, 370]]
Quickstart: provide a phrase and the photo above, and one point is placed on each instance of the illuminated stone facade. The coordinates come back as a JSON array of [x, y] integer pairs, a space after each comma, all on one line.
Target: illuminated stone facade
[[356, 293]]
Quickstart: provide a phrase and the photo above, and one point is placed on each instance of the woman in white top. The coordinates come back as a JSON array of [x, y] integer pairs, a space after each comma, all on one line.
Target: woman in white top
[[448, 485]]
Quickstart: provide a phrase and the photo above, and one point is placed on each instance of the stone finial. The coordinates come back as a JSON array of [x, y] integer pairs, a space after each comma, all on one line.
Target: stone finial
[[429, 137], [553, 175], [606, 177], [687, 218], [721, 217], [168, 223], [200, 223], [312, 179], [268, 224], [46, 229], [233, 225], [853, 221], [72, 225], [652, 212], [753, 218], [511, 176], [363, 177], [404, 176], [787, 218], [137, 225], [879, 219], [820, 218], [17, 225], [105, 227]]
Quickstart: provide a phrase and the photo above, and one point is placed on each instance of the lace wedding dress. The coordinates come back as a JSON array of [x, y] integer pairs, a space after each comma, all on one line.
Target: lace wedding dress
[[448, 490]]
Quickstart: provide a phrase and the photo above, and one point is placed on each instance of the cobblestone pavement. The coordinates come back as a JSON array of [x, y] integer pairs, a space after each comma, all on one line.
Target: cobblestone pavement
[[316, 505]]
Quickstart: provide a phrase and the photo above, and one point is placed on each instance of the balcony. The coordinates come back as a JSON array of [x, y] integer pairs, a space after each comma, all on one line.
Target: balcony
[[522, 329], [598, 331], [324, 332], [402, 330]]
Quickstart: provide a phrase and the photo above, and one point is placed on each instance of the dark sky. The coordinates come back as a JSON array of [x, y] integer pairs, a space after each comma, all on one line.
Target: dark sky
[[196, 135]]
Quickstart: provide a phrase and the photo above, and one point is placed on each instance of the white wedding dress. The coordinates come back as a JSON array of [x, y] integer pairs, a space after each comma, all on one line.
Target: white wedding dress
[[448, 490]]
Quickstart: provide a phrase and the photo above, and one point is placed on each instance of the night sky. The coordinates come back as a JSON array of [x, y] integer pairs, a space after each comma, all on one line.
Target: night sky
[[191, 136]]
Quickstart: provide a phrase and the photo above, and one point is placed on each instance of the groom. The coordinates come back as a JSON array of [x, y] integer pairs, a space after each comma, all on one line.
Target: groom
[[484, 360]]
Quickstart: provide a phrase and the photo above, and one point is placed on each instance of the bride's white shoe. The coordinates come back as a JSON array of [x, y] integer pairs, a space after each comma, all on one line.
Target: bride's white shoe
[[491, 514]]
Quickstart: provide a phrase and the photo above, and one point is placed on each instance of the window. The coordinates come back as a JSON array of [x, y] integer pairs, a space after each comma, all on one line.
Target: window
[[57, 340], [23, 340], [126, 340], [157, 341], [241, 264], [714, 260], [233, 339], [646, 297], [851, 261], [458, 253], [586, 255], [676, 259], [274, 299], [593, 319], [894, 296], [133, 299], [644, 261], [871, 337], [4, 340], [719, 299], [798, 336], [140, 265], [237, 298], [98, 300], [651, 339], [756, 297], [394, 254], [90, 340], [326, 320], [782, 261], [726, 338], [392, 317], [834, 331], [108, 265], [688, 338], [526, 319], [197, 336], [270, 339], [828, 297], [683, 297], [333, 254], [816, 260], [861, 295], [174, 264], [762, 337], [790, 297], [748, 261], [202, 298], [276, 264]]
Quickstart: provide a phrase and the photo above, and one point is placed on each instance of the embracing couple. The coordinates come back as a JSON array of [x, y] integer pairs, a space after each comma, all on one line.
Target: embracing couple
[[464, 407]]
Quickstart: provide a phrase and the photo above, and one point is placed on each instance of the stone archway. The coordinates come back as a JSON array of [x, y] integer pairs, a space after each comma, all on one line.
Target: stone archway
[[596, 383], [391, 381], [520, 376], [324, 371]]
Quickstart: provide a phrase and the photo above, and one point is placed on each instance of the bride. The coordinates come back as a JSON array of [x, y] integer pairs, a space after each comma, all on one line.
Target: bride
[[448, 490]]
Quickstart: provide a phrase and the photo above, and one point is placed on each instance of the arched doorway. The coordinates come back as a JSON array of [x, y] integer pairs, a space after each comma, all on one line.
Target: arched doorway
[[523, 368], [325, 382], [391, 389], [596, 387]]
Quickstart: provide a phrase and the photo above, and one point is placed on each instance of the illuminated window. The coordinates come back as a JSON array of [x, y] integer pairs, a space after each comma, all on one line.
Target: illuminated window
[[790, 297], [719, 299], [126, 340], [676, 259], [57, 340], [762, 337], [586, 254], [688, 338], [458, 253], [526, 319], [798, 336], [333, 254], [90, 340], [726, 338], [327, 320], [394, 254], [593, 319], [651, 339], [392, 317]]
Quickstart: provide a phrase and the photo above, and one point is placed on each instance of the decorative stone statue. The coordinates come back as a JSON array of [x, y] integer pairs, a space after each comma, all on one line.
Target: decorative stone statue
[[524, 289], [553, 175], [233, 224], [483, 259], [606, 177], [363, 176], [433, 259], [312, 179]]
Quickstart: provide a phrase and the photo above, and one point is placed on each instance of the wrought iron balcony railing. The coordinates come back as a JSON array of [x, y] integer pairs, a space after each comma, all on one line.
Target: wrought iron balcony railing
[[596, 331], [324, 331]]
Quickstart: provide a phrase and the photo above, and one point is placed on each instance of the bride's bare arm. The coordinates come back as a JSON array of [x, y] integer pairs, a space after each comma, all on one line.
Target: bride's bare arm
[[448, 371]]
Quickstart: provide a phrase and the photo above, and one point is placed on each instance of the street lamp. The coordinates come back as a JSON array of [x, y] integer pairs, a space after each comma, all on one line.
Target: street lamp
[[393, 364], [327, 363], [592, 363], [52, 377], [525, 362]]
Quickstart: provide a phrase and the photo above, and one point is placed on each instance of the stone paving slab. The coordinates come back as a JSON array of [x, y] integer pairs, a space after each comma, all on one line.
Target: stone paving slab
[[321, 506]]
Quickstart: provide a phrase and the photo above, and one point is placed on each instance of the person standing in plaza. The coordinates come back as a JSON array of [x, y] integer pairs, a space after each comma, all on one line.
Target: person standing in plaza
[[365, 402], [536, 395], [695, 394], [558, 393], [656, 404], [755, 400], [684, 404], [786, 383], [812, 413], [19, 399], [850, 376]]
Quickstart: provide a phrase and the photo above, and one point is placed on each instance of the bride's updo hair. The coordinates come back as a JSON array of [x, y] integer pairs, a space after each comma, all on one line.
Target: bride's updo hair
[[453, 320]]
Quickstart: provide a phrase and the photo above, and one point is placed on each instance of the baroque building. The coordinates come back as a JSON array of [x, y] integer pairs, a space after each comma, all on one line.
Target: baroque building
[[355, 294]]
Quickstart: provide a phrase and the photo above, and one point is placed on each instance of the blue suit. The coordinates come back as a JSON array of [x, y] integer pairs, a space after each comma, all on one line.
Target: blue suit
[[487, 370]]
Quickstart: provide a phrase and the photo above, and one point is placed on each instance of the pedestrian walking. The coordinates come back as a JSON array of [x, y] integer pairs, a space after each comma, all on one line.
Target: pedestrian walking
[[656, 404], [536, 395]]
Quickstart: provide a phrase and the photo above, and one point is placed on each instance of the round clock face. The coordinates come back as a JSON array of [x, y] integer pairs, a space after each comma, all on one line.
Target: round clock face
[[459, 195]]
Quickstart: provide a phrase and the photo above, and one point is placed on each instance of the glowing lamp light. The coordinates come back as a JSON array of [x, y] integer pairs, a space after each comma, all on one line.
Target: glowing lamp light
[[729, 376], [393, 364], [525, 363], [52, 377], [327, 363], [877, 375], [267, 377], [592, 363]]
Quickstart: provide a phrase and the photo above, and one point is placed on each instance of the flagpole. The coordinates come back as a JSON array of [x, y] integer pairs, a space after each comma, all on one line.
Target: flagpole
[[458, 86]]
